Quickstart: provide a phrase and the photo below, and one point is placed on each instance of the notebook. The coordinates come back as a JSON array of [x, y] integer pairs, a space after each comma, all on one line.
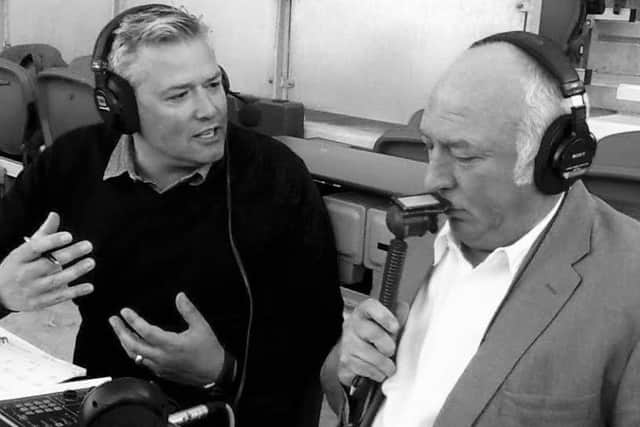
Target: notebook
[[25, 367]]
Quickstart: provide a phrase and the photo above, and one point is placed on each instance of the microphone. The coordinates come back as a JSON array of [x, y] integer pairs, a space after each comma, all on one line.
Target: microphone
[[249, 114], [409, 216]]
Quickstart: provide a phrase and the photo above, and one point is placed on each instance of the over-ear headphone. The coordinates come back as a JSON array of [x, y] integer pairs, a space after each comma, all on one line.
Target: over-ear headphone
[[124, 402], [567, 147], [114, 96]]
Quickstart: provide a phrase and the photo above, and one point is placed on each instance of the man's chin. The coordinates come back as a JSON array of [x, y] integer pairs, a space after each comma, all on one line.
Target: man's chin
[[462, 231], [211, 154]]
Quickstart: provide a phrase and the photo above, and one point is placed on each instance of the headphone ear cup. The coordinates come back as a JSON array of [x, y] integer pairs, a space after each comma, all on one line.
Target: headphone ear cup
[[226, 84], [125, 117], [546, 176], [124, 402]]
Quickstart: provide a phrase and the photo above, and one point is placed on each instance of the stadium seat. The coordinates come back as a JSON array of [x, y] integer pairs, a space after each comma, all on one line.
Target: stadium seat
[[65, 100], [17, 107], [82, 66], [403, 141], [615, 173], [39, 55]]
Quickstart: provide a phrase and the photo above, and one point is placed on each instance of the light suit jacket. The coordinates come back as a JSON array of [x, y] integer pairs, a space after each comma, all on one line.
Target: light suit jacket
[[563, 350]]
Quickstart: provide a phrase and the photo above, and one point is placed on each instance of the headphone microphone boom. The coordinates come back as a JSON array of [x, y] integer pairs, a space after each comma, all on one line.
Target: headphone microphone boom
[[248, 113]]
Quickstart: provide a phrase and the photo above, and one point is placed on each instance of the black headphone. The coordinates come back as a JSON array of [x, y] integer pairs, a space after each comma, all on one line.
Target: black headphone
[[567, 147], [114, 96], [124, 402]]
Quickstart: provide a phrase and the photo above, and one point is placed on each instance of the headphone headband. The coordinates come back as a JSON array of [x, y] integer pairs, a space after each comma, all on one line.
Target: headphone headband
[[100, 57], [567, 147], [114, 96], [546, 53]]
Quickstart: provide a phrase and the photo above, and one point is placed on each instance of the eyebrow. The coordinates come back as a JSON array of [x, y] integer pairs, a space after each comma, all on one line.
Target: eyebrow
[[215, 76], [458, 143]]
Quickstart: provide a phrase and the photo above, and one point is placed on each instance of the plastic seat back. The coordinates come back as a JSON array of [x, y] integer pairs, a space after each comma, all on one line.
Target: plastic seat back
[[17, 97], [65, 100], [41, 55], [615, 173], [403, 141], [82, 66]]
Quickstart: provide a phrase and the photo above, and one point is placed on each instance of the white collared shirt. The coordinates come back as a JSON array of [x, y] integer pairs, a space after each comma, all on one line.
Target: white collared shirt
[[447, 322]]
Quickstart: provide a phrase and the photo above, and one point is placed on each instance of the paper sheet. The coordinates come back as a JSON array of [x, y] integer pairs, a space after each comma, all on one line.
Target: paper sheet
[[57, 388], [24, 366]]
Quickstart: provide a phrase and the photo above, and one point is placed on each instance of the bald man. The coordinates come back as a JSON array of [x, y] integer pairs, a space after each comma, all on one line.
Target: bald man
[[529, 313]]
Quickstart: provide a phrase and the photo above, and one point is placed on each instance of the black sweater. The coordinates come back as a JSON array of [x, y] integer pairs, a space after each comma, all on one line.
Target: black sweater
[[150, 246]]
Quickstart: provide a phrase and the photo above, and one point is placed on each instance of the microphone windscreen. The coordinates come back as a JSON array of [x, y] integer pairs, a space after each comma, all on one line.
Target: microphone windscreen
[[249, 114]]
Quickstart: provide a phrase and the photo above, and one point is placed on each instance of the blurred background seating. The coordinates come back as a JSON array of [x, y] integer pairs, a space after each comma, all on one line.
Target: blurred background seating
[[18, 115], [65, 100]]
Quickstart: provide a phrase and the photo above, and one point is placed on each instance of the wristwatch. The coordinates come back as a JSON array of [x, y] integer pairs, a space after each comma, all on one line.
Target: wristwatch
[[226, 377]]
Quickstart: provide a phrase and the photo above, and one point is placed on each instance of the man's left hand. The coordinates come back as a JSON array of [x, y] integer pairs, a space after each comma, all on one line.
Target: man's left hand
[[193, 357]]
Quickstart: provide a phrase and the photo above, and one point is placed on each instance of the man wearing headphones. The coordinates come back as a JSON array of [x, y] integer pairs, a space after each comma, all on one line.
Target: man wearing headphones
[[529, 313], [187, 242]]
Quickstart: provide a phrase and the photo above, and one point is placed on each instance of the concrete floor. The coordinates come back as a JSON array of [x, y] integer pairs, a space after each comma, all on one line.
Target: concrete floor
[[54, 330]]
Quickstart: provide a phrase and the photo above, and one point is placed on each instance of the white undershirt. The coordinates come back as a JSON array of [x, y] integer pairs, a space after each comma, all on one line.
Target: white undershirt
[[446, 324]]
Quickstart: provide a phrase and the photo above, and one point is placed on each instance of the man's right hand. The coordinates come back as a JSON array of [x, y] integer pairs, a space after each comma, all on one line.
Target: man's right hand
[[29, 281], [368, 342]]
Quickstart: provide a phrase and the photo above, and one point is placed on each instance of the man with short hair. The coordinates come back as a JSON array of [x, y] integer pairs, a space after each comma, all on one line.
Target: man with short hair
[[529, 314], [138, 233]]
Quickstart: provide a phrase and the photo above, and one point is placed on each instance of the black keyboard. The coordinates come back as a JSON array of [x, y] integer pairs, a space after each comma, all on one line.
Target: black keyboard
[[48, 410]]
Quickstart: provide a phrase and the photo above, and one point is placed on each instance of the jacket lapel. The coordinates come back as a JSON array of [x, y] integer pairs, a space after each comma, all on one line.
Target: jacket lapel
[[545, 284]]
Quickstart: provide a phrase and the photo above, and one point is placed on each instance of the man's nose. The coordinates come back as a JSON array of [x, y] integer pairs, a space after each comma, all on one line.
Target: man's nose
[[439, 175], [206, 106]]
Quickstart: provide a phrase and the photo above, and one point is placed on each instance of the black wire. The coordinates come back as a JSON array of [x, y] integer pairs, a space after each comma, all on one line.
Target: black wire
[[245, 279]]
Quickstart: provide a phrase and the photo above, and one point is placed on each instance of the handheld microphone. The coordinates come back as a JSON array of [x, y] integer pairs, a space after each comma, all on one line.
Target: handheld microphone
[[409, 216]]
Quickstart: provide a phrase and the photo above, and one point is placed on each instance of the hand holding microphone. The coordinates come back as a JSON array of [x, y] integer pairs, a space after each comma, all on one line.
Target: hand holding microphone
[[368, 344]]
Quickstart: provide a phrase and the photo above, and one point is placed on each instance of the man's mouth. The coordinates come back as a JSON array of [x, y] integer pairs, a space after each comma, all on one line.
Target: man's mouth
[[208, 133], [454, 212]]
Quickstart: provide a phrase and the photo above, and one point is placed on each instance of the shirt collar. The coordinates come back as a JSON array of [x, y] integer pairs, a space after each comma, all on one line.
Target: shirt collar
[[122, 161], [515, 252]]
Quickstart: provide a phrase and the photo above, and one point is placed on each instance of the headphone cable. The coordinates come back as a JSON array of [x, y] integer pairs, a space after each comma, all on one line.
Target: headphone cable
[[245, 279]]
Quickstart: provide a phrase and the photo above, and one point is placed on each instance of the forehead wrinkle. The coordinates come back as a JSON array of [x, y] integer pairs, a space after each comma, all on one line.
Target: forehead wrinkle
[[191, 84], [175, 73]]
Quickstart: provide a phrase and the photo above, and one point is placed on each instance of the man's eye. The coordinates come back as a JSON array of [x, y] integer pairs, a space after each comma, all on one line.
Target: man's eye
[[214, 84], [428, 145], [177, 96], [463, 159]]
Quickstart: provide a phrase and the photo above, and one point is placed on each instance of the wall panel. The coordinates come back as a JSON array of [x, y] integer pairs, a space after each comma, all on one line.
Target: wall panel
[[378, 59], [69, 25], [243, 37]]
